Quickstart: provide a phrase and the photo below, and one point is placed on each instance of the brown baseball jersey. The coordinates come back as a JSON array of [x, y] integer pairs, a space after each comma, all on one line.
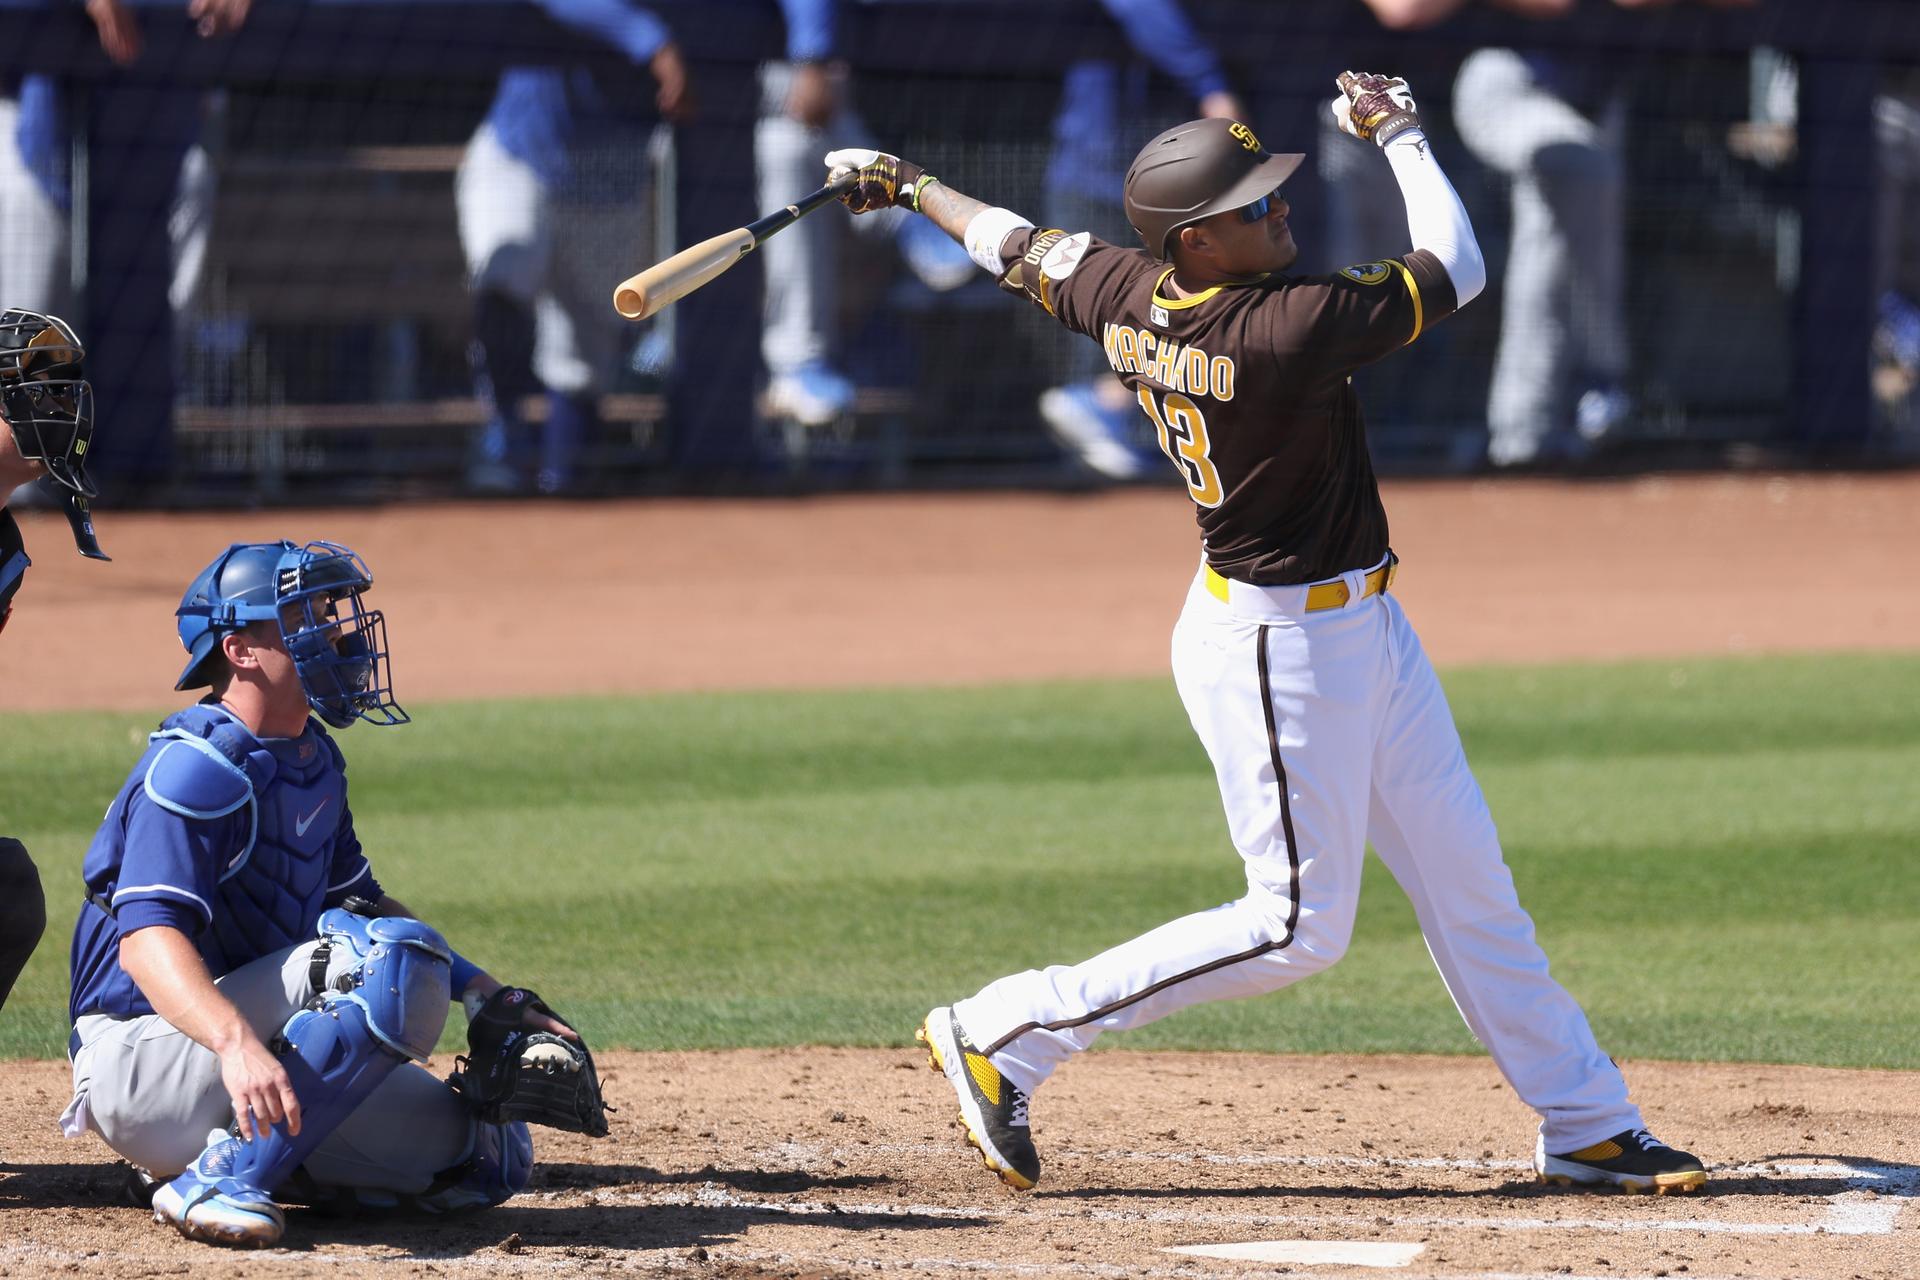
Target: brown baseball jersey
[[1248, 389]]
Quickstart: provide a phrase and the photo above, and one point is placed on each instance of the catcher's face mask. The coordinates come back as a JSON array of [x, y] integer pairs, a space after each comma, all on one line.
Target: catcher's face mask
[[48, 405], [339, 646], [315, 595], [46, 399]]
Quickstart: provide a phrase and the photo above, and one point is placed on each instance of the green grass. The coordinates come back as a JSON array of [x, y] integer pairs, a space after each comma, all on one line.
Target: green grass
[[1720, 856]]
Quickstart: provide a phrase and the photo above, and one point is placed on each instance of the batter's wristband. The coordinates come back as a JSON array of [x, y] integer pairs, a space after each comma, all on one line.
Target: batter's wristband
[[464, 972], [913, 197]]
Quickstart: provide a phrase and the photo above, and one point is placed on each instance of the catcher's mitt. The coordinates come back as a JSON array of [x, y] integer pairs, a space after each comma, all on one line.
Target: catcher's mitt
[[513, 1073]]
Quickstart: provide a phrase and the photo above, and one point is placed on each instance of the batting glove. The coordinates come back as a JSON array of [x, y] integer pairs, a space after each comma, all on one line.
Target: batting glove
[[1374, 108], [880, 181]]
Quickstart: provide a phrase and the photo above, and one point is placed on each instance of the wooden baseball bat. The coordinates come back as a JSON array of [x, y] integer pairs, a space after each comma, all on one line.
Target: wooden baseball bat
[[643, 295]]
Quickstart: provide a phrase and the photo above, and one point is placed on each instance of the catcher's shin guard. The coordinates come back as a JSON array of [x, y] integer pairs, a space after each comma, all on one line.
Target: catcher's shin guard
[[337, 1052], [498, 1167]]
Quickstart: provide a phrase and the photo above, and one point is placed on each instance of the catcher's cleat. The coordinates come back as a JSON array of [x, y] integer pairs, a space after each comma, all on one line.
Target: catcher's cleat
[[1634, 1161], [206, 1203], [992, 1111], [140, 1186]]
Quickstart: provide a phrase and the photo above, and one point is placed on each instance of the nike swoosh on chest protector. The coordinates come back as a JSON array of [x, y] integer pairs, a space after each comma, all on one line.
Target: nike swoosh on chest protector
[[300, 824]]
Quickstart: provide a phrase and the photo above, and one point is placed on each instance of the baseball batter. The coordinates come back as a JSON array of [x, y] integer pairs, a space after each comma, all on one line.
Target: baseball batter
[[248, 1003], [1324, 721]]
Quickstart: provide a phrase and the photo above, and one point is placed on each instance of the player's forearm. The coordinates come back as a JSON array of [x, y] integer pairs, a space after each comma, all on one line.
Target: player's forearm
[[981, 227], [949, 209], [1436, 220], [170, 973]]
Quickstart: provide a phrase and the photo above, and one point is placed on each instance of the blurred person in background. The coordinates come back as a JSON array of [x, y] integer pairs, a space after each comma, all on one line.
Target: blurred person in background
[[1770, 138], [1553, 127], [551, 190], [165, 184], [46, 427], [1103, 105], [805, 98]]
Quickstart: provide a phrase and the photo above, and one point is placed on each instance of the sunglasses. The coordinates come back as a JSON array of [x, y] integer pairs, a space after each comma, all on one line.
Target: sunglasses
[[1259, 208]]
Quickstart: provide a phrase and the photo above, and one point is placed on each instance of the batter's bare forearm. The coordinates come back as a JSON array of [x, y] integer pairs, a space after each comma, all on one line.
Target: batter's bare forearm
[[949, 209]]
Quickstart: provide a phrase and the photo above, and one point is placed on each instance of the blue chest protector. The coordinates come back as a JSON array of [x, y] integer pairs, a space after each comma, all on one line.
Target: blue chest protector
[[267, 823], [291, 794]]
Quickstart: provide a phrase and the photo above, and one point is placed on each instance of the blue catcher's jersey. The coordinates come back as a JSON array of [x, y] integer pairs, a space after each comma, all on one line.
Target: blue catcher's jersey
[[238, 842]]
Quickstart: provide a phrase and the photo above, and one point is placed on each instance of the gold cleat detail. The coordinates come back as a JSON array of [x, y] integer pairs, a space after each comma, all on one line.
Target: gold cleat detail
[[1679, 1184]]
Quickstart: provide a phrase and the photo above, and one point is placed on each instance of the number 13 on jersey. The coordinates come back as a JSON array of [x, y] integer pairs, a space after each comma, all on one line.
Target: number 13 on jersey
[[1183, 437]]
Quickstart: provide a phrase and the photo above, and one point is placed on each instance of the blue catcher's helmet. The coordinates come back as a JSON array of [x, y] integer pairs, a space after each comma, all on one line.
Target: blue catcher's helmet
[[314, 593]]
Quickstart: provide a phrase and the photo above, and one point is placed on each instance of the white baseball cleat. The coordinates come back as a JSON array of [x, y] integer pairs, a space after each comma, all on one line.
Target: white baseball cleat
[[992, 1111], [1633, 1160]]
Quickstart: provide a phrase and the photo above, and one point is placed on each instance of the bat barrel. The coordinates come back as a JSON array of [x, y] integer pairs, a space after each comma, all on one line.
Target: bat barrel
[[645, 293]]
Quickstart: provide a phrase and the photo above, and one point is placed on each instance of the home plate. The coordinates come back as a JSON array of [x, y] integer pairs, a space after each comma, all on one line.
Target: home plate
[[1351, 1253]]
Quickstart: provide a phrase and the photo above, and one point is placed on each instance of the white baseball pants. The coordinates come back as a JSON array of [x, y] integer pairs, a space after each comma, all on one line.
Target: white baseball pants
[[1326, 729]]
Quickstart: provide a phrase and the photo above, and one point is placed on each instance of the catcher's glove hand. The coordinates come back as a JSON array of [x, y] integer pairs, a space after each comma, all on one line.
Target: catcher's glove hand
[[880, 181], [1374, 108], [513, 1073]]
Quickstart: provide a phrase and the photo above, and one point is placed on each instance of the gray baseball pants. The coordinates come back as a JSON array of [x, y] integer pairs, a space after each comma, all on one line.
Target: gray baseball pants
[[1563, 310], [154, 1095]]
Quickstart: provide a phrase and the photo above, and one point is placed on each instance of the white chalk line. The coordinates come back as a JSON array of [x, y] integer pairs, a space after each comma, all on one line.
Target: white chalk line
[[492, 1263], [713, 1196], [982, 1266], [1870, 1205]]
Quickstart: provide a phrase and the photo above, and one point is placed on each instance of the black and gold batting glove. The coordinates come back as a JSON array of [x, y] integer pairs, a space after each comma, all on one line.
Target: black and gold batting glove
[[880, 181], [1374, 108]]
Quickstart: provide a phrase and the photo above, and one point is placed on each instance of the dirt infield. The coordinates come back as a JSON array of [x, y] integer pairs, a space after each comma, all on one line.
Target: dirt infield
[[842, 1163], [483, 599]]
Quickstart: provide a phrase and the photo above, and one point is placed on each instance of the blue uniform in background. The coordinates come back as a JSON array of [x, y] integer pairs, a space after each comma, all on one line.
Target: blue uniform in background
[[1093, 126], [552, 188], [539, 114]]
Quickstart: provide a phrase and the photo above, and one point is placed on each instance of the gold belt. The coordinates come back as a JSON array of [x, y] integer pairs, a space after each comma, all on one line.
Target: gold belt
[[1332, 594]]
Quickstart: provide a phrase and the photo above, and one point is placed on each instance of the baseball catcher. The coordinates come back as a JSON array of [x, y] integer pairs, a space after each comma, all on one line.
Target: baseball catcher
[[1300, 672], [250, 1007]]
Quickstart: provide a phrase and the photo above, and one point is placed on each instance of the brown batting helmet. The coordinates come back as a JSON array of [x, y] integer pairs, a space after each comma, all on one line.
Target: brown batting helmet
[[1195, 170]]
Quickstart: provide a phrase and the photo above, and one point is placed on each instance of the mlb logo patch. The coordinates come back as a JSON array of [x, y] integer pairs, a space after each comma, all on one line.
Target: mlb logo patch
[[1158, 315]]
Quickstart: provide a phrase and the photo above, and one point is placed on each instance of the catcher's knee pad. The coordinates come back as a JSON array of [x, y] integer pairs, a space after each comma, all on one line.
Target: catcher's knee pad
[[498, 1167], [401, 978]]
